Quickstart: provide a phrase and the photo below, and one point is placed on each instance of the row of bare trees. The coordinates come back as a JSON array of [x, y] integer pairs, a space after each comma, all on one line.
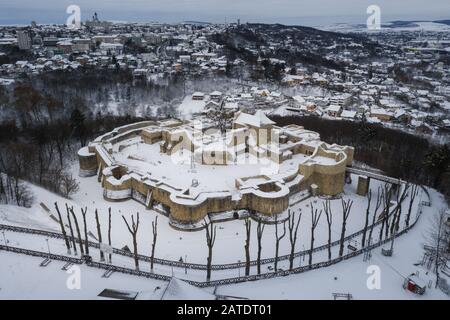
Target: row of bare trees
[[83, 244], [390, 214], [133, 228], [37, 162], [14, 191], [293, 222], [429, 164]]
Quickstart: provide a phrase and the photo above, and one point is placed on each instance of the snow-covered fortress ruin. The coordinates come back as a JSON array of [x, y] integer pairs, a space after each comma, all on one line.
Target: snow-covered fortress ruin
[[187, 170]]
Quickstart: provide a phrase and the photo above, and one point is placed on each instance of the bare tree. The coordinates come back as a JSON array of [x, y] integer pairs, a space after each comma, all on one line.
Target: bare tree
[[374, 217], [77, 227], [387, 194], [155, 235], [248, 228], [414, 192], [71, 231], [366, 223], [99, 234], [210, 240], [315, 217], [393, 213], [63, 230], [346, 208], [86, 240], [259, 235], [23, 195], [438, 241], [133, 230], [277, 240], [109, 233], [329, 215], [395, 225], [293, 229]]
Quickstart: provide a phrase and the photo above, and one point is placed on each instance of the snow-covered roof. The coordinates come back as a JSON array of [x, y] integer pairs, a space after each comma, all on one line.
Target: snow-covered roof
[[216, 93], [348, 114], [399, 113], [6, 82], [380, 111], [299, 99], [334, 108]]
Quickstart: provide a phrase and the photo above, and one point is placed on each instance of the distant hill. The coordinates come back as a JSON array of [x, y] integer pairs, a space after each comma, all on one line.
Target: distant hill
[[413, 23], [197, 22], [447, 22]]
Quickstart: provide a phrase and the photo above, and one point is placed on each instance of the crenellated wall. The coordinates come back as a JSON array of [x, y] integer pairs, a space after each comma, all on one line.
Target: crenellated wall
[[324, 166]]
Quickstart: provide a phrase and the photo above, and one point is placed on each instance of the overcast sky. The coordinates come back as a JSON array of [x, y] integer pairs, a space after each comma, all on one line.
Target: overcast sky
[[283, 11]]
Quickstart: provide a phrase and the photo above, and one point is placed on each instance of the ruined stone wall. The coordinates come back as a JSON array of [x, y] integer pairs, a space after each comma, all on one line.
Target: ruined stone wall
[[88, 165], [188, 214], [151, 137], [268, 206], [329, 178], [329, 184]]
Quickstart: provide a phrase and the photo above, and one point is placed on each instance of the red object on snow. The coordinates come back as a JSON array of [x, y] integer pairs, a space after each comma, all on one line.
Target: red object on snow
[[411, 286]]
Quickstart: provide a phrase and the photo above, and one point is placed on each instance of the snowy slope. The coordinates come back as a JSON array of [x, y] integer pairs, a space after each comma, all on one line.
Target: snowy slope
[[23, 217]]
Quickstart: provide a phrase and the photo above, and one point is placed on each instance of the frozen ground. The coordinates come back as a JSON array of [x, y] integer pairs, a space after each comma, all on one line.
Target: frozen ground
[[23, 278], [26, 279]]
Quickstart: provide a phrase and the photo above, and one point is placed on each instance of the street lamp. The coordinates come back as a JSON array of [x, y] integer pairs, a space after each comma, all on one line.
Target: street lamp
[[48, 246], [185, 264]]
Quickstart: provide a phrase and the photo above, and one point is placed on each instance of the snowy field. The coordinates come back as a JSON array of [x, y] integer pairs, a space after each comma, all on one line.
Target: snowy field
[[191, 247], [176, 170]]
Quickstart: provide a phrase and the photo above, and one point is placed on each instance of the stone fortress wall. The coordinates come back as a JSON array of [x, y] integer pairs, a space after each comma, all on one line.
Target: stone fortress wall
[[323, 171]]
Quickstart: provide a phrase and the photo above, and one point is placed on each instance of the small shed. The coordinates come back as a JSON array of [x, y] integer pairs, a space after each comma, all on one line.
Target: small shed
[[415, 284]]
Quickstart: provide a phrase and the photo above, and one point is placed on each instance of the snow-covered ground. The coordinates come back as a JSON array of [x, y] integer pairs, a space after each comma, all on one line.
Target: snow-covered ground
[[178, 172], [23, 278]]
